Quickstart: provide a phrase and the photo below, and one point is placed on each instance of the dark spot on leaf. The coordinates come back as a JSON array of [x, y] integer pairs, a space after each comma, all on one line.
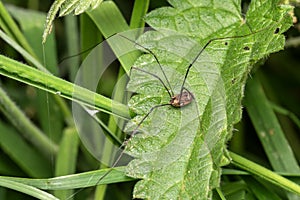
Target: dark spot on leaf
[[246, 48], [277, 30], [226, 43], [233, 81]]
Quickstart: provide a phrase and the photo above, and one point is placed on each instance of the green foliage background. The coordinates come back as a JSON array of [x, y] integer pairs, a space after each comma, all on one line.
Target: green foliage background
[[50, 140]]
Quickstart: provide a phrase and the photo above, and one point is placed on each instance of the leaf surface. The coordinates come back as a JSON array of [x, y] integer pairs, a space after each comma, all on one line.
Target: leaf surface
[[179, 151]]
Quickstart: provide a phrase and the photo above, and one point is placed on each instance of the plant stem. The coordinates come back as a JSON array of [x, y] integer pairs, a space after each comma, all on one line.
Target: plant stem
[[264, 173]]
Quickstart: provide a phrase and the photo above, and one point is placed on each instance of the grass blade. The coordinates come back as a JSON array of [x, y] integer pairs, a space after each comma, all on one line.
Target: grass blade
[[32, 191], [28, 129], [268, 128], [55, 85], [264, 173]]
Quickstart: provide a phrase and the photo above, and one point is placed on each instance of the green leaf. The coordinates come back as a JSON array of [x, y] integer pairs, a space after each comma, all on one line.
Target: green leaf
[[179, 153]]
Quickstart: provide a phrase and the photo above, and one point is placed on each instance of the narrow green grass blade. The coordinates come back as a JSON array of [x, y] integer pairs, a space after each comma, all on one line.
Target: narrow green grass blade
[[109, 21], [268, 128], [286, 112], [269, 131], [23, 52], [24, 125], [38, 65], [113, 125], [55, 85], [237, 195], [108, 18], [26, 189], [8, 167], [9, 26], [220, 194], [66, 159], [32, 25], [140, 9], [88, 76], [29, 55], [233, 187], [72, 47], [26, 51], [264, 173], [90, 34], [261, 192], [32, 162], [86, 179]]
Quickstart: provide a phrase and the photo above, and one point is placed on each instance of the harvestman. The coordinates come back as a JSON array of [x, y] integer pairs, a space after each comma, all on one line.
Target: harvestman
[[184, 98]]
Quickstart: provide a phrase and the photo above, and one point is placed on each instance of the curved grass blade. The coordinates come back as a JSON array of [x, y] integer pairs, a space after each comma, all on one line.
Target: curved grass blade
[[27, 189]]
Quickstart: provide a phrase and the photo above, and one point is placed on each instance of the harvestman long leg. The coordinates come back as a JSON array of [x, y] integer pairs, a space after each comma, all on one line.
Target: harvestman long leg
[[185, 99], [182, 99], [177, 101]]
